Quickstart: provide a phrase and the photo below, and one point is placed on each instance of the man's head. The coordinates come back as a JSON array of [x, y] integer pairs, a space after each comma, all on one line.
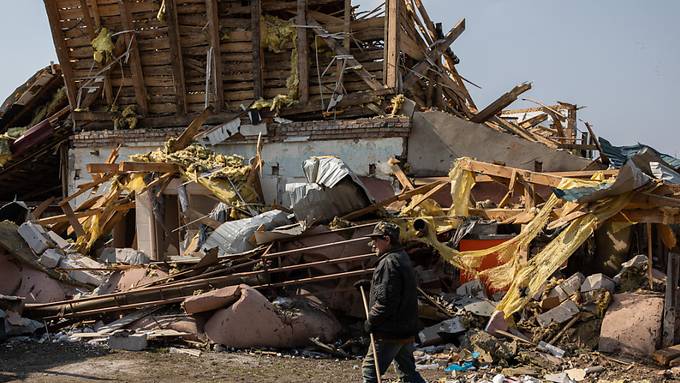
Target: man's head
[[385, 236]]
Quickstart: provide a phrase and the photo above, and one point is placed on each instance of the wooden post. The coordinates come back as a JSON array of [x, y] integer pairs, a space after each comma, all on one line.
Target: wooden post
[[255, 14], [391, 67], [671, 299], [302, 52], [214, 31], [650, 253], [176, 57], [62, 51], [135, 61]]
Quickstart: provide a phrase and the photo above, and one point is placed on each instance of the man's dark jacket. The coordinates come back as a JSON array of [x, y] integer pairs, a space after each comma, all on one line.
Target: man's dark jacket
[[393, 297]]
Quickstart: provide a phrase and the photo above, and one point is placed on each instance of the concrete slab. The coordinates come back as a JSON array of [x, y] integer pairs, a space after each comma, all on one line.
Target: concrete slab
[[560, 314], [50, 258], [212, 300], [35, 236], [598, 282], [632, 325]]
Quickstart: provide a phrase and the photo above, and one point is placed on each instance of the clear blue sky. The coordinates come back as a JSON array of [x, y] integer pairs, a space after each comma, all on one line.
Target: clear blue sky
[[620, 58]]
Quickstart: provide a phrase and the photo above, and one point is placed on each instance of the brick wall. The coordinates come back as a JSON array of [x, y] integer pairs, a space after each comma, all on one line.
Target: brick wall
[[381, 127]]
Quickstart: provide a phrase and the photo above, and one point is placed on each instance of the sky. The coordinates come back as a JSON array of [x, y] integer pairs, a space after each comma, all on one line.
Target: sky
[[619, 58]]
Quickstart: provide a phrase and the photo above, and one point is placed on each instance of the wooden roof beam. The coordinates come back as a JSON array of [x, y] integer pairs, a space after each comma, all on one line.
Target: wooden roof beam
[[340, 50], [302, 52], [135, 61], [435, 54], [176, 57], [258, 62], [502, 102], [214, 32], [62, 51]]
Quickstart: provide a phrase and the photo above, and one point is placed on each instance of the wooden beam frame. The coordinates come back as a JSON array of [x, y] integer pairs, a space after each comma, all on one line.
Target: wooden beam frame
[[507, 172], [302, 52], [391, 68], [62, 51], [502, 102], [339, 50], [258, 63], [435, 54], [214, 31], [91, 33], [176, 56], [135, 61]]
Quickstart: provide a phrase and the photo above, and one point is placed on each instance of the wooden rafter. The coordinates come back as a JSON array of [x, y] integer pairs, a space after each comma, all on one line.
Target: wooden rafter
[[176, 57], [214, 31], [258, 63], [339, 50], [62, 50], [135, 61], [500, 103], [91, 33], [392, 29], [435, 54], [302, 52]]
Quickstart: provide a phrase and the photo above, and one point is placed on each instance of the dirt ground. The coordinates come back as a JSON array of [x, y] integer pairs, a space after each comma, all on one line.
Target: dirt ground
[[80, 362]]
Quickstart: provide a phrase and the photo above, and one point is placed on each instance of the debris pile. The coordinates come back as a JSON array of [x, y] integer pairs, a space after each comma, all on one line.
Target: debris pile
[[534, 261]]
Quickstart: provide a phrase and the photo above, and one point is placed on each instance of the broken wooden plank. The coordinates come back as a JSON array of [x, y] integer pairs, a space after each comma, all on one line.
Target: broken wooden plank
[[215, 41], [148, 167], [176, 58], [97, 168], [135, 60], [82, 214], [400, 197], [507, 172], [190, 132], [341, 51], [434, 55], [502, 102], [664, 356], [425, 196], [399, 174], [72, 219]]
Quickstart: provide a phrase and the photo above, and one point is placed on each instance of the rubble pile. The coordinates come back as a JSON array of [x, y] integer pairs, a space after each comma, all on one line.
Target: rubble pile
[[201, 231]]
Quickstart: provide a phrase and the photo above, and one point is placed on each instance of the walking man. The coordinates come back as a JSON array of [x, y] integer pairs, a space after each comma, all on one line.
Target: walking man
[[393, 308]]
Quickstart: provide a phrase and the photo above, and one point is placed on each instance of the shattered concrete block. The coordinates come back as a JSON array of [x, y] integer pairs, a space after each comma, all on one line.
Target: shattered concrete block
[[567, 288], [560, 314], [212, 300], [550, 303], [82, 276], [598, 282], [58, 240], [473, 288], [496, 322], [15, 324], [129, 342], [433, 334], [35, 236], [632, 324], [123, 255], [50, 258]]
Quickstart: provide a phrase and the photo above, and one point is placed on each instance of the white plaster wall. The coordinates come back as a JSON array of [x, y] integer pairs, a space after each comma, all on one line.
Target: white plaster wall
[[288, 156]]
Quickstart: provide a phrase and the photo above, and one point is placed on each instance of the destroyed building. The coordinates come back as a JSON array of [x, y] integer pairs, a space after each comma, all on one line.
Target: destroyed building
[[232, 156]]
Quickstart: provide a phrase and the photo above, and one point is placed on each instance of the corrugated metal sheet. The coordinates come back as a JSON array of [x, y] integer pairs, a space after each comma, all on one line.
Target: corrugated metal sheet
[[234, 236]]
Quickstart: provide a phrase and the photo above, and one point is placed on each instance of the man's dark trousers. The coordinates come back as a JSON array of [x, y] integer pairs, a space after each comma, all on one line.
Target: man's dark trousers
[[399, 351]]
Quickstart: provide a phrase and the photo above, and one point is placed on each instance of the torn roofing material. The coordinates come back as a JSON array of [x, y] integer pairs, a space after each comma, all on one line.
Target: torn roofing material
[[619, 154]]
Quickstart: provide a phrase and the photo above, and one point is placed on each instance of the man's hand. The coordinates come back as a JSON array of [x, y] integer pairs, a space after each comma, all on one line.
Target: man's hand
[[368, 327], [365, 283]]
